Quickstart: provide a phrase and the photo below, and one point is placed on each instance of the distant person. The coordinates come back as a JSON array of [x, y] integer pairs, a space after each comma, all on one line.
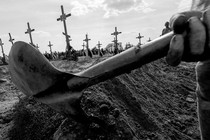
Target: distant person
[[167, 29]]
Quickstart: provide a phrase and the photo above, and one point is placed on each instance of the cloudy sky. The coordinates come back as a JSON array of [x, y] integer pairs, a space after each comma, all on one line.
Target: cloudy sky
[[98, 18]]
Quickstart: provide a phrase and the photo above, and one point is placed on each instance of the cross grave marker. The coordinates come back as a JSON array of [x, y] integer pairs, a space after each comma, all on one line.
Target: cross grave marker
[[139, 37], [115, 33], [99, 48], [11, 39], [62, 18], [87, 45], [29, 31], [50, 45]]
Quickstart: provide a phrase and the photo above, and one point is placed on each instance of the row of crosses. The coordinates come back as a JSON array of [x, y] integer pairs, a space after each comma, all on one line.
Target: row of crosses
[[63, 18], [116, 33], [86, 40]]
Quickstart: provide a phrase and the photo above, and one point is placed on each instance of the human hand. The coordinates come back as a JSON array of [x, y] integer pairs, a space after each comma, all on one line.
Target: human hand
[[191, 43]]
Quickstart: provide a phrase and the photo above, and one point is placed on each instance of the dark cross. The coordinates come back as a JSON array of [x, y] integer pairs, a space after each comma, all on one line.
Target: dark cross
[[63, 18], [89, 53], [139, 37], [11, 39], [149, 40], [83, 45], [99, 48], [99, 45], [87, 41], [115, 33], [50, 45], [29, 31], [2, 49]]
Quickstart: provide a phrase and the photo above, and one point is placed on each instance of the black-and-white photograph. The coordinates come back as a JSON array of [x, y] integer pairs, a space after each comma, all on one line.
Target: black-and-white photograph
[[105, 70]]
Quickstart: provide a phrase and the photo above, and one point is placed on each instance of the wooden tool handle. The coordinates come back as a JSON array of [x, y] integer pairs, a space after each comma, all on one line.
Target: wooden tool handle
[[128, 60]]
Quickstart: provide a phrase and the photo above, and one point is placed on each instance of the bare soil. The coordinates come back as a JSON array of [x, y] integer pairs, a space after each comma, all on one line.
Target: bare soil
[[154, 102]]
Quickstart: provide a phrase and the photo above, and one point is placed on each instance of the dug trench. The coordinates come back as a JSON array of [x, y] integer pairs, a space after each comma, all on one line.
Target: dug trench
[[154, 102]]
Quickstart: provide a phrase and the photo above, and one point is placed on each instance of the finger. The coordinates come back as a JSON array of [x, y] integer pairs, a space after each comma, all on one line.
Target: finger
[[196, 36], [178, 21], [176, 50], [194, 13], [206, 22]]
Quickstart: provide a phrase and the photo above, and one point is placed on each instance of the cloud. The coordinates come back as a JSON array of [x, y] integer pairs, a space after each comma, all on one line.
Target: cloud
[[184, 5], [111, 7], [144, 7], [93, 4], [83, 7], [114, 8], [120, 5], [79, 8]]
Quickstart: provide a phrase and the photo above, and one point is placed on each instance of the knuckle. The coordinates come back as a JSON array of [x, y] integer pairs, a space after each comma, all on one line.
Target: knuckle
[[178, 23], [197, 36]]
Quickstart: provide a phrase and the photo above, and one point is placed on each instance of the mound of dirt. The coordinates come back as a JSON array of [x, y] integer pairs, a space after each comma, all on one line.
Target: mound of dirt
[[155, 102], [82, 64]]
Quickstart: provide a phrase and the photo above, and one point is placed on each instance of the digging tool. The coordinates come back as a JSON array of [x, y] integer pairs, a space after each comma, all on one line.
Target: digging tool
[[36, 76]]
